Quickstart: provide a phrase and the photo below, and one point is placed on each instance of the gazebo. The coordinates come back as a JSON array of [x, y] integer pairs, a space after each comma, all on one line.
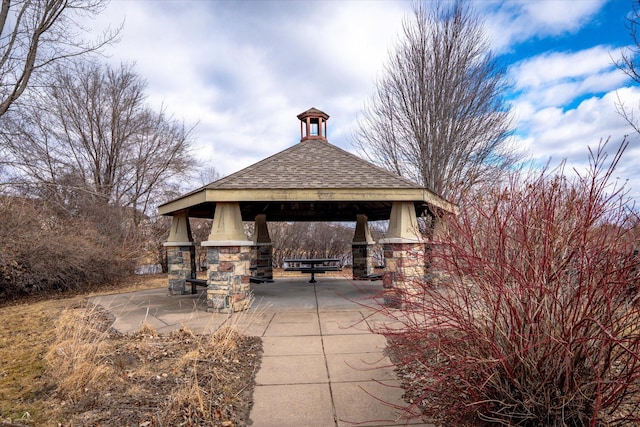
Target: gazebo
[[312, 180]]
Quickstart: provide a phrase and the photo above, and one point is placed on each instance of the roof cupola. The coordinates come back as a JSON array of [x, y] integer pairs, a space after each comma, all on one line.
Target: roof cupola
[[313, 124]]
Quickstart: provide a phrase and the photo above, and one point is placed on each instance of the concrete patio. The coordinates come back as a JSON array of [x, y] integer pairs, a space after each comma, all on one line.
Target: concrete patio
[[321, 366]]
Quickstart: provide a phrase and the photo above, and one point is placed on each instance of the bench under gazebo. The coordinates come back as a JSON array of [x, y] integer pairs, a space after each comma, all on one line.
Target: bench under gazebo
[[312, 180]]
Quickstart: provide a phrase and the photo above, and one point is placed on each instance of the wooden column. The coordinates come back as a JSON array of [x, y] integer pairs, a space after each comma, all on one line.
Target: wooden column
[[262, 260]]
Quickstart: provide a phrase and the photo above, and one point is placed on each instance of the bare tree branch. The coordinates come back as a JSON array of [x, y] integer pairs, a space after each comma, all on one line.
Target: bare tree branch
[[439, 115], [630, 65], [35, 34], [92, 131]]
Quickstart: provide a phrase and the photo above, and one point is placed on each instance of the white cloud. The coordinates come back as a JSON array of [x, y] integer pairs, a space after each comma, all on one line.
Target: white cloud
[[556, 135], [561, 133], [244, 70], [555, 17], [558, 78], [511, 22], [553, 66]]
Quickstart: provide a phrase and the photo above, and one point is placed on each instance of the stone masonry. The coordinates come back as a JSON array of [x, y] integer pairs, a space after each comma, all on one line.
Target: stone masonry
[[228, 283], [262, 261], [362, 260], [404, 272], [181, 262]]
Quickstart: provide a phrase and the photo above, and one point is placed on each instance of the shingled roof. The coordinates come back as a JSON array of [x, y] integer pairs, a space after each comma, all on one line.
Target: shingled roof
[[312, 180], [312, 164]]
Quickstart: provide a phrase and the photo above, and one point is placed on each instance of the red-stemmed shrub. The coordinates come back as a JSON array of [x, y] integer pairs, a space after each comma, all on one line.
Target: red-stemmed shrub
[[531, 317]]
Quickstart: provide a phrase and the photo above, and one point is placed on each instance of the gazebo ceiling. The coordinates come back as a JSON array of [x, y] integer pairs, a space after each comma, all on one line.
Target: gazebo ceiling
[[310, 181], [307, 211]]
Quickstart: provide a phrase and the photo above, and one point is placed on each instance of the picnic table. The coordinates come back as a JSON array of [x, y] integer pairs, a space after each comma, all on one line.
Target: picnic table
[[312, 265]]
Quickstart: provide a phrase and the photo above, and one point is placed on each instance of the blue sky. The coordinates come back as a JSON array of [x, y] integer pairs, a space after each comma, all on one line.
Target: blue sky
[[604, 25], [243, 70]]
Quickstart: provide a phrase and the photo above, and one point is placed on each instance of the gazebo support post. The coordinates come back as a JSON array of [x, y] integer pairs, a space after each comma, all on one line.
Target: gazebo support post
[[404, 253], [228, 256], [262, 259], [181, 254], [362, 249]]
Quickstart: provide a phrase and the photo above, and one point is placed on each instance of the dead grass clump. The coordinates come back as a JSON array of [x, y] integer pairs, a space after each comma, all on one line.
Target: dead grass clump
[[223, 343], [77, 355], [148, 378], [209, 393]]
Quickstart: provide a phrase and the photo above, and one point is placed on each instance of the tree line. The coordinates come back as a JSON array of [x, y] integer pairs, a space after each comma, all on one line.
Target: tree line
[[293, 240], [84, 157]]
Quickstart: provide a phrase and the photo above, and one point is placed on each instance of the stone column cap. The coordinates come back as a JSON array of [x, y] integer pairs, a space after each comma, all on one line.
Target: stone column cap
[[227, 243], [178, 244]]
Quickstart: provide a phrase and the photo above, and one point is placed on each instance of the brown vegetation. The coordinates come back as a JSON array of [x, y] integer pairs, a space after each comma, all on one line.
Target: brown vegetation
[[310, 240], [43, 251], [62, 363]]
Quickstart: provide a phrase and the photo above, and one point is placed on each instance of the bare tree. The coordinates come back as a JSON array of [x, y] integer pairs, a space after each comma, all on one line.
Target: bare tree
[[629, 63], [92, 133], [310, 240], [35, 34], [439, 115], [209, 174]]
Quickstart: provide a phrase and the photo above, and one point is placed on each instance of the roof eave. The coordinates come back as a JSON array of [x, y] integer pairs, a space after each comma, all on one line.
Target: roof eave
[[307, 195]]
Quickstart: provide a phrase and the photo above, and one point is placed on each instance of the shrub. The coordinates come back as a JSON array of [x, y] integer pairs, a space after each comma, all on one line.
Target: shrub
[[534, 319], [43, 251]]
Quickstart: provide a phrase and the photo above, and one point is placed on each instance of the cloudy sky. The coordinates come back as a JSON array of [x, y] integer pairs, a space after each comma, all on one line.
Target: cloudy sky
[[242, 70]]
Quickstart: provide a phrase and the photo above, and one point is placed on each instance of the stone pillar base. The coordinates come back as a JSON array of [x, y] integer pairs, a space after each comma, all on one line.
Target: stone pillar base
[[362, 260], [181, 263], [262, 261], [229, 289], [404, 272]]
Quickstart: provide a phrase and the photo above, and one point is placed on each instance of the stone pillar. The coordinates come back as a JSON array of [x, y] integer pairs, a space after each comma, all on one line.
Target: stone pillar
[[181, 254], [362, 249], [228, 256], [404, 253], [262, 259]]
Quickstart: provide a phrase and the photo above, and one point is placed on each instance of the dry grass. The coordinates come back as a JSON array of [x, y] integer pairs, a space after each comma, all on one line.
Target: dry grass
[[61, 363], [78, 353], [27, 330]]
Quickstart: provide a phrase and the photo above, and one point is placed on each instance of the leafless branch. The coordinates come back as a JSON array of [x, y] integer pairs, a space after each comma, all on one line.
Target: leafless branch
[[35, 34], [439, 115]]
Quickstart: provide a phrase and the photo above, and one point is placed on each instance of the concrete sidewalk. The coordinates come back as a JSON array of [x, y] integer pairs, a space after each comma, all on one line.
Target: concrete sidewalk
[[322, 365]]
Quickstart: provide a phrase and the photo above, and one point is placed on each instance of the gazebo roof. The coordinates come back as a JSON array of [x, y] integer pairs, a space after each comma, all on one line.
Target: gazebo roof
[[312, 164], [310, 181]]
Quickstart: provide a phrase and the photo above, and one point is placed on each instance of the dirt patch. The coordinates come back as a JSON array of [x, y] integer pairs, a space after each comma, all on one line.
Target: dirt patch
[[412, 376]]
